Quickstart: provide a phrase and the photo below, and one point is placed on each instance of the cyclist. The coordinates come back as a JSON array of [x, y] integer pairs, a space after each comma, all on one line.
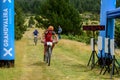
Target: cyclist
[[49, 35], [35, 33]]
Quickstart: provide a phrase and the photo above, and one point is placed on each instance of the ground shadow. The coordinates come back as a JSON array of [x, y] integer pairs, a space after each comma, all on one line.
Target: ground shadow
[[39, 63]]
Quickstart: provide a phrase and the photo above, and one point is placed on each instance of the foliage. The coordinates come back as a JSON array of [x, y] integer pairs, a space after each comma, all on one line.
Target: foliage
[[40, 21], [66, 16], [87, 5], [80, 38], [34, 6], [30, 6], [84, 37], [19, 21], [117, 34], [118, 3], [31, 21], [92, 6], [60, 12]]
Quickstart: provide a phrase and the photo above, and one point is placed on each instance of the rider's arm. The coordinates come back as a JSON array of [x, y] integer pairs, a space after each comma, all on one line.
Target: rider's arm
[[55, 36]]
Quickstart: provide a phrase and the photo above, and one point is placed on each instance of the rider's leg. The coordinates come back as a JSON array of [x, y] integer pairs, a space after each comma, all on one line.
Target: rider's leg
[[59, 36], [54, 42], [45, 48], [53, 46]]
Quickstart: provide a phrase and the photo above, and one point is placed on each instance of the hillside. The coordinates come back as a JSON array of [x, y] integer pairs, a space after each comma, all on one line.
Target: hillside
[[81, 5], [69, 62]]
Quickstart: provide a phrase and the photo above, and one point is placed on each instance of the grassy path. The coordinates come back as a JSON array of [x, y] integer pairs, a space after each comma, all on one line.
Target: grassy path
[[68, 62]]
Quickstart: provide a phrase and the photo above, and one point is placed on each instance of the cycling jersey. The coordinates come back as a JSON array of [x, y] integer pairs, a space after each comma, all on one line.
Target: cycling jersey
[[35, 32], [48, 36]]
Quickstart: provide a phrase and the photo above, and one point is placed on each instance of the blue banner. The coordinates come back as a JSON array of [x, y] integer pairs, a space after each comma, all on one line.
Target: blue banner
[[109, 23], [7, 30]]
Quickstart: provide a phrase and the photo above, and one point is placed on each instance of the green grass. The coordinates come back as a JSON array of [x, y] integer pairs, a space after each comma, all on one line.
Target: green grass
[[10, 74], [69, 62]]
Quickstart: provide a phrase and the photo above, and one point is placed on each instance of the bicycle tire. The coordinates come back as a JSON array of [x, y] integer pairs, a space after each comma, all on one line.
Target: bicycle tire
[[35, 40], [44, 57], [49, 55]]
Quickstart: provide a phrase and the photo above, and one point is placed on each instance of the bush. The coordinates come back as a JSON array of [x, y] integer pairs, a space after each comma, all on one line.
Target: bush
[[79, 38]]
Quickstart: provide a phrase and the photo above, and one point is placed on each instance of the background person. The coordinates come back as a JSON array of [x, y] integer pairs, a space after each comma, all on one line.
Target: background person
[[59, 32]]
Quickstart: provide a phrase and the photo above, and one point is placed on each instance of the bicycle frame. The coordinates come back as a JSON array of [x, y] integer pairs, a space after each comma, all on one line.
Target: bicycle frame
[[35, 40], [48, 52]]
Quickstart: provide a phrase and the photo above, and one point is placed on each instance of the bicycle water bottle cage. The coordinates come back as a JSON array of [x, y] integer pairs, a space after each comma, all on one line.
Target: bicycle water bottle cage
[[49, 43]]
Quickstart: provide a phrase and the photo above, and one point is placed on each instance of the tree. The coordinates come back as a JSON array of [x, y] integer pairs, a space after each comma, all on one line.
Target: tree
[[34, 6], [118, 3], [61, 12], [40, 21], [19, 21], [86, 5], [117, 34], [31, 21]]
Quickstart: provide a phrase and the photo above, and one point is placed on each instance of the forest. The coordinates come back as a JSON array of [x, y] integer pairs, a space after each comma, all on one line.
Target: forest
[[70, 14], [34, 6]]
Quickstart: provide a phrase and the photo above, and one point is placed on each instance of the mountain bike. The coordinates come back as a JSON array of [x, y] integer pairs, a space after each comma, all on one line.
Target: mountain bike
[[47, 56], [35, 40]]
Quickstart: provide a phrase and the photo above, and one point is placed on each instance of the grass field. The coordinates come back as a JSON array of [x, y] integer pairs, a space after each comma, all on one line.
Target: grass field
[[69, 62]]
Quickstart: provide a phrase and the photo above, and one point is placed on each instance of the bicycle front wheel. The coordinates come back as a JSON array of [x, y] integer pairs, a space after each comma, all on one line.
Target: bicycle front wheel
[[49, 55], [35, 40]]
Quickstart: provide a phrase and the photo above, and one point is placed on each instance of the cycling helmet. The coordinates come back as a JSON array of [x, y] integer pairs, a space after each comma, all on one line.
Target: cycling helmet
[[51, 28]]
